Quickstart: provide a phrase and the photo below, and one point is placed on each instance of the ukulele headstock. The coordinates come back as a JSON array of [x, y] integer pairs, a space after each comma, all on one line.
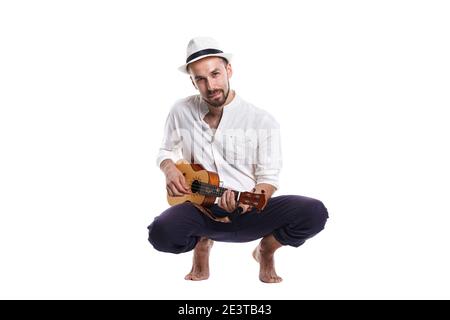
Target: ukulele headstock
[[256, 200]]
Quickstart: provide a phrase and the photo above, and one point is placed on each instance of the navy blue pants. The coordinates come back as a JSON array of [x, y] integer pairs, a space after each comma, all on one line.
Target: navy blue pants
[[291, 219]]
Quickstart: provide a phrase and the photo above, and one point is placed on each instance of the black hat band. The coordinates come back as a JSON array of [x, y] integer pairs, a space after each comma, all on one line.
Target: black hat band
[[202, 53]]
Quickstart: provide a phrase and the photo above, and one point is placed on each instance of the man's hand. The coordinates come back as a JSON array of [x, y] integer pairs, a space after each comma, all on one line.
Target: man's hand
[[175, 182], [227, 201], [265, 188], [245, 208]]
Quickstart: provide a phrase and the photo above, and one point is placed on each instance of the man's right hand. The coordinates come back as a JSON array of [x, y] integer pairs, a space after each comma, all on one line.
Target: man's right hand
[[175, 182]]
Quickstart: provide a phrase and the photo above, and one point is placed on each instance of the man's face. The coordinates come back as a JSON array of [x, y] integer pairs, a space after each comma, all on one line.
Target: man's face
[[210, 77]]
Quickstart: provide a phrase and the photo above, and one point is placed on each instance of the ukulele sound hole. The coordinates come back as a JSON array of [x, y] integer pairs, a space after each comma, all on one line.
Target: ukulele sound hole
[[195, 187]]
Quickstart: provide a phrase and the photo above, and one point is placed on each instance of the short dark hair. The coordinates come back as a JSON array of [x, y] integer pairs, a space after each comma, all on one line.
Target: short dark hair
[[225, 61]]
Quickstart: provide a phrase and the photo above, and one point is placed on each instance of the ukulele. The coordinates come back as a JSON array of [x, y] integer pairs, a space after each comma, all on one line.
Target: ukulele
[[205, 188]]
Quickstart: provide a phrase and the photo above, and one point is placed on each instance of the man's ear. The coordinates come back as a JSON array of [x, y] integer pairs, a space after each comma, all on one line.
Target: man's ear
[[193, 83], [229, 70]]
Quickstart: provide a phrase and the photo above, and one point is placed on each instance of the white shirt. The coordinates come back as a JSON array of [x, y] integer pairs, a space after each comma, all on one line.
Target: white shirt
[[244, 150]]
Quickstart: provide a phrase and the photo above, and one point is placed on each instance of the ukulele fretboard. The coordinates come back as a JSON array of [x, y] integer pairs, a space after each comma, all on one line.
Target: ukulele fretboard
[[207, 189]]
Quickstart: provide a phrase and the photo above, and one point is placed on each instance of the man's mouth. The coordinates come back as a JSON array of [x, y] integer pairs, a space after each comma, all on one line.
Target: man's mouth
[[214, 95]]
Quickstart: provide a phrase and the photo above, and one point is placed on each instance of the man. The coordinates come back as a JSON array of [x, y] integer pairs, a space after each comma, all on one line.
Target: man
[[227, 135]]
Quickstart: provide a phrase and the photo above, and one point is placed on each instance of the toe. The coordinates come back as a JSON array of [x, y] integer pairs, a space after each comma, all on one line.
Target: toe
[[278, 279]]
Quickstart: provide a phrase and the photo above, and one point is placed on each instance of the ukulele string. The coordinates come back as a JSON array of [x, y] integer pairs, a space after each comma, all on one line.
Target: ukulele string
[[208, 189]]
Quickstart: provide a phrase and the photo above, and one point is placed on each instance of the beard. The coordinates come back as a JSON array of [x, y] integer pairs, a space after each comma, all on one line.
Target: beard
[[220, 99]]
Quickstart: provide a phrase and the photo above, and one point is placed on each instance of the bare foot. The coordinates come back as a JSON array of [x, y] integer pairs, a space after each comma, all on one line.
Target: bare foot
[[200, 263], [264, 256]]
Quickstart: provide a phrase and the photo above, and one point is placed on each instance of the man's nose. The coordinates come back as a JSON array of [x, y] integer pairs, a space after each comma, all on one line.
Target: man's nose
[[209, 85]]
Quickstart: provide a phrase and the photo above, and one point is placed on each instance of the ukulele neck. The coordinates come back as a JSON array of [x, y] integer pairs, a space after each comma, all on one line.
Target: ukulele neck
[[210, 190]]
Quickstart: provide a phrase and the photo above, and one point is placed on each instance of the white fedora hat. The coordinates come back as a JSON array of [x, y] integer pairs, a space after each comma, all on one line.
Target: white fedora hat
[[202, 47]]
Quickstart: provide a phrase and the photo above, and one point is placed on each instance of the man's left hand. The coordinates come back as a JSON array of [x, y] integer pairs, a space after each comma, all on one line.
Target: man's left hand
[[265, 188]]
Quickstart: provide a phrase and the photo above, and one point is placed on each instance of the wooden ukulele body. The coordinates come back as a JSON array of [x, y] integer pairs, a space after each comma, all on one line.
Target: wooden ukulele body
[[195, 172]]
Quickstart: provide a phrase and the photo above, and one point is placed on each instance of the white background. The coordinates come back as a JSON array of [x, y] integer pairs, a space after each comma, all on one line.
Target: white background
[[360, 88]]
